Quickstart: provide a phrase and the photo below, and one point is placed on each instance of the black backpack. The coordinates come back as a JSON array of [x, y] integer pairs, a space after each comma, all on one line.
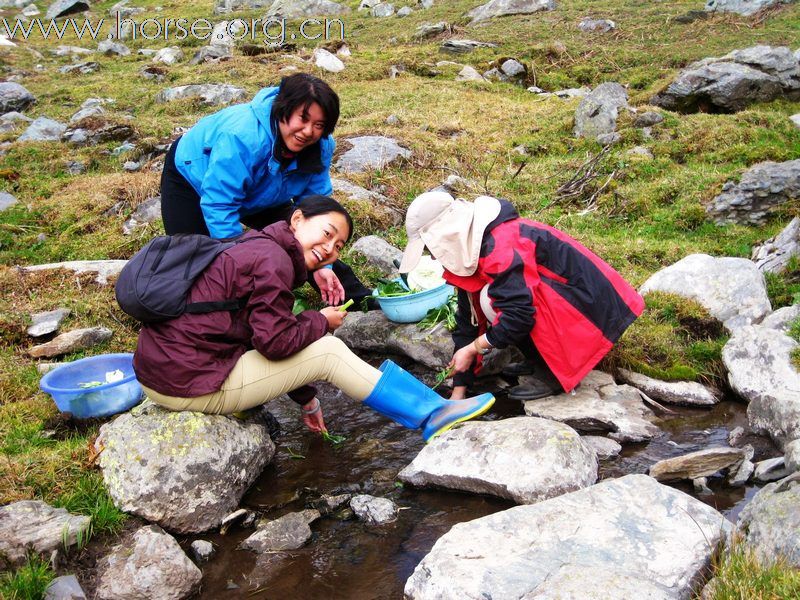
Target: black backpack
[[154, 284]]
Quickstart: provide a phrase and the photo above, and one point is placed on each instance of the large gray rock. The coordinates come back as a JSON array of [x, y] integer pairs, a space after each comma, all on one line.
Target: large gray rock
[[379, 253], [14, 97], [43, 130], [733, 290], [599, 405], [370, 152], [730, 83], [103, 268], [369, 205], [62, 8], [682, 393], [741, 7], [297, 9], [146, 212], [523, 459], [71, 341], [773, 256], [47, 322], [327, 61], [771, 522], [770, 469], [183, 470], [209, 93], [372, 510], [598, 111], [33, 525], [152, 565], [760, 370], [763, 189], [501, 8], [702, 463], [620, 539], [382, 10], [288, 532], [7, 201]]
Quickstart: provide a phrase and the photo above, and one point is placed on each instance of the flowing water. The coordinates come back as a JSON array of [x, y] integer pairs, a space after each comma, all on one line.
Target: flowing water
[[348, 559]]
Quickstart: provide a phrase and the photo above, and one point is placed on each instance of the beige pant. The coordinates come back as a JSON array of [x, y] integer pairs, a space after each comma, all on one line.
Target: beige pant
[[255, 380]]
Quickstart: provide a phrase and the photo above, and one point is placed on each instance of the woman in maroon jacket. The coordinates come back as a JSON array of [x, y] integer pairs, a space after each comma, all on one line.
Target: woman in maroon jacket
[[228, 361], [520, 283]]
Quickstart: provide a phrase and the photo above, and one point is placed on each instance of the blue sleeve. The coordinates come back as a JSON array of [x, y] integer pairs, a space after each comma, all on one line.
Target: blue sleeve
[[228, 176]]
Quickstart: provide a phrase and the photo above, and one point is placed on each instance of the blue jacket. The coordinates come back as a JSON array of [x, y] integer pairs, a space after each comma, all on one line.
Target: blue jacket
[[228, 159]]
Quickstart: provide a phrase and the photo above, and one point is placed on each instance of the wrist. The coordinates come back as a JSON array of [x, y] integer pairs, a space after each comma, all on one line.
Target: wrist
[[481, 349], [312, 407]]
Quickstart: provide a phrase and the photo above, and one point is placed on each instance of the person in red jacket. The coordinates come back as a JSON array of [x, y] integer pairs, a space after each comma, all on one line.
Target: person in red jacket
[[225, 362], [520, 283]]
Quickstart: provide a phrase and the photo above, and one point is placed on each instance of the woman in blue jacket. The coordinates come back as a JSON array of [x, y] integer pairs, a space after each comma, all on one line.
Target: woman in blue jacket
[[250, 163]]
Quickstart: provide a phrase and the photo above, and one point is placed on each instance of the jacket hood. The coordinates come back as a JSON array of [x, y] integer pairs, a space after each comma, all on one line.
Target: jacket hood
[[507, 213], [262, 106], [282, 234]]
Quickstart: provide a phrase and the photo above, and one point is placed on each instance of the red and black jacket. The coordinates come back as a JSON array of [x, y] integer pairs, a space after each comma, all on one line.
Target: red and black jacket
[[546, 286]]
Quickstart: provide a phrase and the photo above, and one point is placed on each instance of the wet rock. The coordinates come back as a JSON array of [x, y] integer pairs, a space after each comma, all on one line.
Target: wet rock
[[382, 10], [630, 537], [370, 152], [694, 465], [501, 8], [602, 446], [427, 30], [65, 587], [183, 470], [62, 8], [762, 190], [103, 268], [731, 289], [773, 256], [72, 341], [112, 48], [168, 56], [374, 511], [202, 550], [329, 504], [7, 201], [151, 566], [469, 74], [598, 111], [368, 203], [43, 130], [288, 532], [700, 486], [378, 252], [523, 459], [34, 525], [599, 405], [45, 323], [147, 212], [327, 61], [463, 46], [739, 476], [235, 517], [682, 393], [297, 9], [596, 25], [732, 82], [741, 7], [14, 97], [792, 456], [208, 93], [771, 522], [210, 54], [771, 469]]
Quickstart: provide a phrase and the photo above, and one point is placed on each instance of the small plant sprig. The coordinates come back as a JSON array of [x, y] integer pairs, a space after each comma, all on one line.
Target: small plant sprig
[[442, 375], [294, 455], [334, 439]]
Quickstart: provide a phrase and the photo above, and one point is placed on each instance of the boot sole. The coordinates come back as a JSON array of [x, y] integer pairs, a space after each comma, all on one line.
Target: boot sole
[[471, 415]]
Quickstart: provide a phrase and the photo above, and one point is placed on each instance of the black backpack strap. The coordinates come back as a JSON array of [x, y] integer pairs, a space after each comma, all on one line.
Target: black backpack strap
[[198, 308]]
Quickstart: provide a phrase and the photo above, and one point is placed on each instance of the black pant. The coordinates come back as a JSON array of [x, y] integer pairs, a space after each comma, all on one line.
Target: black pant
[[181, 213]]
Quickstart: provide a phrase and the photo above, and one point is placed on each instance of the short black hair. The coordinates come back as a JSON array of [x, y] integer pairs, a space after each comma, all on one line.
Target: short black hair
[[312, 206], [302, 89]]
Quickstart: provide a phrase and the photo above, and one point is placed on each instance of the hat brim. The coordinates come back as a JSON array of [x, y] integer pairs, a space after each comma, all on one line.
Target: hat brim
[[412, 255]]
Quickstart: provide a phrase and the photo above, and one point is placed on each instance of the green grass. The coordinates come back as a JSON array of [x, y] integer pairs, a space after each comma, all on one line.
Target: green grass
[[739, 575], [29, 582]]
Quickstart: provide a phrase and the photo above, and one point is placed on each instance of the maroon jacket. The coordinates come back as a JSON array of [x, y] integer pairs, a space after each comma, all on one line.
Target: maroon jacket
[[193, 354]]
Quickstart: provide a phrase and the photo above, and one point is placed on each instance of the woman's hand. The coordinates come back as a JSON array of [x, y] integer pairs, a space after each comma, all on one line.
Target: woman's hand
[[330, 288], [335, 317], [312, 415], [463, 358]]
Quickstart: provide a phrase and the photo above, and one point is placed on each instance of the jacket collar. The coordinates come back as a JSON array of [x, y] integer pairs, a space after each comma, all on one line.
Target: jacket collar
[[282, 234], [307, 161]]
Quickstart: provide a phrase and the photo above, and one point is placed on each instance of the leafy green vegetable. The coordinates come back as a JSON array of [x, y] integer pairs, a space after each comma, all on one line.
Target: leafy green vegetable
[[90, 384], [333, 438], [442, 375], [391, 289], [446, 313]]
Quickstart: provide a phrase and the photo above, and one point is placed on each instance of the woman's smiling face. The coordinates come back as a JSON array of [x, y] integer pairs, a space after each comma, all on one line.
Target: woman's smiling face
[[321, 237], [303, 128]]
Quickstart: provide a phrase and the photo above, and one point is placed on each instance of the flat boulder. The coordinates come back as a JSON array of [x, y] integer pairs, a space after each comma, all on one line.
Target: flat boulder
[[773, 256], [741, 7], [184, 470], [103, 268], [694, 465], [379, 253], [47, 322], [14, 97], [681, 393], [770, 522], [523, 459], [288, 532], [623, 538], [32, 525], [208, 93], [370, 152], [598, 111], [599, 405], [502, 8], [368, 207], [43, 130], [733, 290], [604, 447], [151, 565], [71, 341], [62, 8]]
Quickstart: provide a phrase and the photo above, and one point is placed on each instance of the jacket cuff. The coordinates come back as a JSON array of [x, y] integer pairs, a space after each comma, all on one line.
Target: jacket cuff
[[303, 395]]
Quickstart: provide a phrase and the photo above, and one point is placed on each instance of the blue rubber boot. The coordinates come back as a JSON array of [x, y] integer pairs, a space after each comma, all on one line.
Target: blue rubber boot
[[406, 400]]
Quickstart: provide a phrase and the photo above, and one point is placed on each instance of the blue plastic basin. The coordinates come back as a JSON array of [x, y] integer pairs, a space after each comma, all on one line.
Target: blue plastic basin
[[63, 384], [414, 307]]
